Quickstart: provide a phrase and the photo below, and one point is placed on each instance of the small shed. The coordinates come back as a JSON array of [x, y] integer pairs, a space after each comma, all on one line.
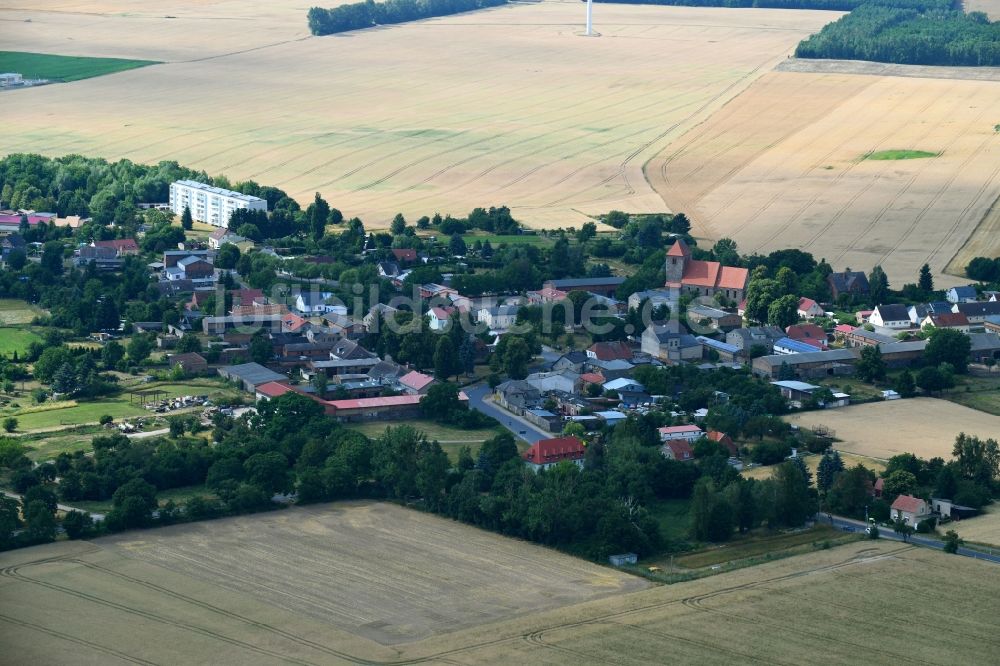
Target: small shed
[[623, 559]]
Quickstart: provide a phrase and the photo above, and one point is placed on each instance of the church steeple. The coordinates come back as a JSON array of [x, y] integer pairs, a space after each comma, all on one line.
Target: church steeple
[[677, 257]]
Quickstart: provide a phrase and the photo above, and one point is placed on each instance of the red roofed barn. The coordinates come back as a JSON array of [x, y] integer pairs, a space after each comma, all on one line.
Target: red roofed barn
[[548, 452], [704, 277]]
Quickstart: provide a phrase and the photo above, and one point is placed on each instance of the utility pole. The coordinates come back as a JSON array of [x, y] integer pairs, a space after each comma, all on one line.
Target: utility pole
[[590, 18]]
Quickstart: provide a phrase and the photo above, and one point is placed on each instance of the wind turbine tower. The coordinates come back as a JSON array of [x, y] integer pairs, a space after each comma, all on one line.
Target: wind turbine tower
[[590, 18]]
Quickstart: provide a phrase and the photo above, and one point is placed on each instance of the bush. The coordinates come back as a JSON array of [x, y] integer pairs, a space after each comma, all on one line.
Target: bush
[[106, 419], [10, 424], [927, 525]]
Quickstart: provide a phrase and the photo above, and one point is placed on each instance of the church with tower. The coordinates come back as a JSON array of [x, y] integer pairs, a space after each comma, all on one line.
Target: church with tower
[[703, 278]]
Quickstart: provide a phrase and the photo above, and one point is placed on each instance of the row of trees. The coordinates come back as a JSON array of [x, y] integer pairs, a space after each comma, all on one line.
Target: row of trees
[[358, 15]]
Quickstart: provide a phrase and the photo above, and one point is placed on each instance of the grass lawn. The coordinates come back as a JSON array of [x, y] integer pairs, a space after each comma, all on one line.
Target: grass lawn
[[16, 340], [64, 68], [46, 446], [511, 239], [674, 518], [178, 495], [451, 439], [14, 311], [73, 413], [982, 393], [899, 155], [754, 545]]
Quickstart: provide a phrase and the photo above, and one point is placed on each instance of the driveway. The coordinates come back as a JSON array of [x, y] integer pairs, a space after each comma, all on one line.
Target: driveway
[[479, 395], [62, 507]]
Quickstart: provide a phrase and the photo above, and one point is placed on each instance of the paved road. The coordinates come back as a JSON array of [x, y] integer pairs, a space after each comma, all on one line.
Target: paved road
[[62, 507], [151, 433], [521, 429], [916, 539]]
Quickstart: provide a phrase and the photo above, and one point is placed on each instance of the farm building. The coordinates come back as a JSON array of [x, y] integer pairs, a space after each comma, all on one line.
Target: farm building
[[623, 559], [545, 453], [376, 409], [687, 433], [191, 363], [250, 375], [833, 362], [603, 286]]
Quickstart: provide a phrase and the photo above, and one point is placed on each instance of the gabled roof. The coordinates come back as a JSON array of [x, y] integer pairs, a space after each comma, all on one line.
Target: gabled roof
[[967, 291], [609, 351], [312, 298], [946, 319], [441, 313], [680, 449], [806, 304], [892, 312], [679, 430], [546, 451], [592, 378], [908, 503], [622, 382], [119, 244], [405, 254], [807, 333], [979, 309], [849, 280], [367, 403], [415, 380], [796, 346], [273, 389]]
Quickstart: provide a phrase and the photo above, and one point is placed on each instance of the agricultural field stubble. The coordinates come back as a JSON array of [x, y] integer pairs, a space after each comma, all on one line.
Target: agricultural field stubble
[[92, 603], [779, 167], [925, 427], [503, 106]]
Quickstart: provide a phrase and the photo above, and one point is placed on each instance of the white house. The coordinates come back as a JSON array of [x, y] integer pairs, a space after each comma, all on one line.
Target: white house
[[911, 509], [561, 380], [212, 205], [891, 316], [313, 303], [689, 433], [500, 317], [964, 294], [809, 309], [439, 318]]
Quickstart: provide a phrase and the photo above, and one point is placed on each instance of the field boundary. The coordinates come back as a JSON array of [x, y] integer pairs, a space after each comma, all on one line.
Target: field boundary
[[867, 68]]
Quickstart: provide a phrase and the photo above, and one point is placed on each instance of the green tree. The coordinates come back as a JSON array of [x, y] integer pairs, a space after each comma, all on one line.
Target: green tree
[[39, 522], [10, 520], [793, 503], [65, 380], [952, 542], [516, 357], [227, 256], [586, 232], [830, 467], [320, 382], [903, 528], [783, 312], [878, 285], [761, 293], [187, 222], [906, 385], [948, 345], [78, 525], [445, 359], [870, 366], [926, 281], [132, 505], [112, 354], [850, 492], [139, 347], [900, 482], [261, 350], [319, 216], [398, 225], [269, 471], [725, 252], [467, 355], [10, 424], [978, 460], [932, 379], [456, 245]]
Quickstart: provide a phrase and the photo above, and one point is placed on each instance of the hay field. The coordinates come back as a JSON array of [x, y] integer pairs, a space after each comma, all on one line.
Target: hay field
[[86, 604], [781, 166], [501, 106], [925, 427], [984, 528]]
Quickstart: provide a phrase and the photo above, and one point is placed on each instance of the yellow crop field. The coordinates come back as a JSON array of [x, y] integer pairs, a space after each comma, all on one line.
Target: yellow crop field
[[502, 106], [311, 586], [782, 166], [925, 427]]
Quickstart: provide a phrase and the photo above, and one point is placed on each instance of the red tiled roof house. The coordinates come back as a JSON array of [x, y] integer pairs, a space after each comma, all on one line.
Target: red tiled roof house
[[545, 453], [911, 509]]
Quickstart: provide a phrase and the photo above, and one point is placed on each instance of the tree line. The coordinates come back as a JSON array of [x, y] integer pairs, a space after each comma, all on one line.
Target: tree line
[[914, 36], [358, 15]]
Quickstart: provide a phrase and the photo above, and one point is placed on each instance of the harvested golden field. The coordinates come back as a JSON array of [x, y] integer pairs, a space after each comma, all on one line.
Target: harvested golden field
[[984, 528], [812, 464], [87, 603], [502, 106], [925, 427], [781, 166]]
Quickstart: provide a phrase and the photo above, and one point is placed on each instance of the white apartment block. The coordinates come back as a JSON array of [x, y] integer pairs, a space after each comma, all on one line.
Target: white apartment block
[[212, 205]]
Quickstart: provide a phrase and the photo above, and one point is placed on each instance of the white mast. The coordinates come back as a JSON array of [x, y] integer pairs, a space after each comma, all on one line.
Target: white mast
[[590, 18]]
